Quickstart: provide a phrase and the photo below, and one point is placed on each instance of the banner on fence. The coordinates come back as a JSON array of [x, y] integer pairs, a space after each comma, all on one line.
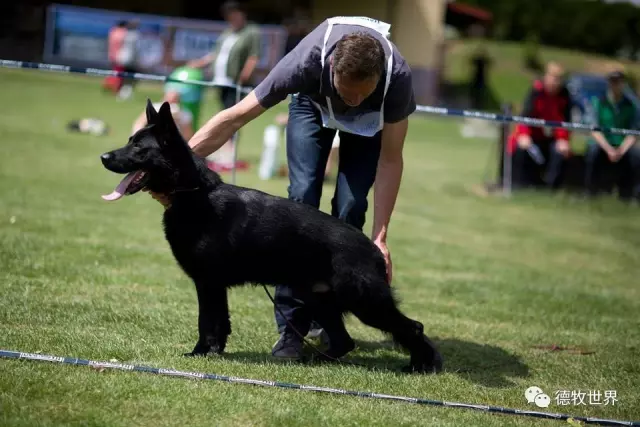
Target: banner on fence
[[79, 36]]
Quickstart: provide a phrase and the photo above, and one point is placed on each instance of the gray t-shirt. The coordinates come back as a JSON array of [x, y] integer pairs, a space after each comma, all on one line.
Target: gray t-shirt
[[300, 71]]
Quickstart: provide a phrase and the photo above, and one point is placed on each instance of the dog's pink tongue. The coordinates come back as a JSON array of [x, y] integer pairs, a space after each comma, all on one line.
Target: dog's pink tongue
[[121, 188]]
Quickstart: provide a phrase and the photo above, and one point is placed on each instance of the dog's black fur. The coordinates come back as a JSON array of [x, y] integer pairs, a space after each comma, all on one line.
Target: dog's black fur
[[224, 235]]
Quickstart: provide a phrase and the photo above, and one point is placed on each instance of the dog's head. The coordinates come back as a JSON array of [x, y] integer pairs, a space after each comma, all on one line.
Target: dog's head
[[156, 158]]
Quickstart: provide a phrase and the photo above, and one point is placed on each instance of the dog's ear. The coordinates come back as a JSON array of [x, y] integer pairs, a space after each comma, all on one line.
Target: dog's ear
[[151, 112], [170, 134], [167, 122], [165, 112]]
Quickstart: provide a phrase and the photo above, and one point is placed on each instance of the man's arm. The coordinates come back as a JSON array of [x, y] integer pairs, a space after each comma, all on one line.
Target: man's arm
[[627, 143], [388, 177], [248, 69], [522, 131], [221, 127], [252, 60], [202, 62], [629, 140], [562, 133], [602, 141]]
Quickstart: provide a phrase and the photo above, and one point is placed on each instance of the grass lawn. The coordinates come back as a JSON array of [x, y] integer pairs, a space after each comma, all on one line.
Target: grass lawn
[[508, 79], [489, 277]]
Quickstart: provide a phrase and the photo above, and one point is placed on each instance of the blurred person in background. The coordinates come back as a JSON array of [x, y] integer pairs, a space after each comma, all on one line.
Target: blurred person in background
[[182, 117], [297, 29], [128, 58], [480, 62], [615, 109], [233, 61], [184, 99], [540, 153], [114, 44]]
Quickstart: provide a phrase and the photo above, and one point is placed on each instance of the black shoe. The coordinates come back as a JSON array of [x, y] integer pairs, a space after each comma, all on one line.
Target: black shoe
[[288, 347]]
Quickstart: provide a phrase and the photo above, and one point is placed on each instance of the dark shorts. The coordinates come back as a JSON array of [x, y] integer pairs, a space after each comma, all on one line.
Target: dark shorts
[[228, 97]]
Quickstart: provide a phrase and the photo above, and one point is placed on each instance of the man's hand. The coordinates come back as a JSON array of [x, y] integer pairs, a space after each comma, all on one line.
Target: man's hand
[[627, 143], [382, 245], [524, 141], [563, 147], [614, 155]]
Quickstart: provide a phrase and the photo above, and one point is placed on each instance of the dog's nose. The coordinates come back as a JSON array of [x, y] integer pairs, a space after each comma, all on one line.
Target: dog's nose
[[106, 157]]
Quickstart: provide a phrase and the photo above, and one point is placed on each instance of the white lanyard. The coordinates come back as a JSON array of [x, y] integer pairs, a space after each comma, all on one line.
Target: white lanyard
[[382, 28]]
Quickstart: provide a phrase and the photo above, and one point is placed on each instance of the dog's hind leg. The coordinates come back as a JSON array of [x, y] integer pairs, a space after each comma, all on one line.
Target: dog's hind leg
[[328, 314], [382, 313], [214, 325]]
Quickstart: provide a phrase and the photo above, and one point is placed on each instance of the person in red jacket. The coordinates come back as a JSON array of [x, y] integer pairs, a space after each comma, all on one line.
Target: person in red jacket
[[539, 154]]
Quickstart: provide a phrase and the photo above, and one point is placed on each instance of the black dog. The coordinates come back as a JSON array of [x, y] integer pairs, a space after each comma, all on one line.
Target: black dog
[[224, 235]]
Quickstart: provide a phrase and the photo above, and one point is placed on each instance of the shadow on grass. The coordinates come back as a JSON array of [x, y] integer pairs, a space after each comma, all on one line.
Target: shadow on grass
[[483, 364]]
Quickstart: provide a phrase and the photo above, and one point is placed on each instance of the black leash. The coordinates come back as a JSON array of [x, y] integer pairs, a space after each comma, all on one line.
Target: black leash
[[346, 362], [304, 339]]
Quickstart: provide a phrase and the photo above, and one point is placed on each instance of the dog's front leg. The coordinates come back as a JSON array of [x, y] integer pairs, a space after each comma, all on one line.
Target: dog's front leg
[[214, 325]]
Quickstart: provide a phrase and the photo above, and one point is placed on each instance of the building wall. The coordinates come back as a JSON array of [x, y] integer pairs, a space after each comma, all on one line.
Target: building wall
[[416, 28]]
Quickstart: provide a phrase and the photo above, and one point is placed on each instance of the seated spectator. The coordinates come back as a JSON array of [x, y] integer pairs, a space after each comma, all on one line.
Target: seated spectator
[[539, 154], [614, 110]]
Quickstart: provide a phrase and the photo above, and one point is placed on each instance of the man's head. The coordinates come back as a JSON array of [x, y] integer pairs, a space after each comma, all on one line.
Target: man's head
[[553, 77], [616, 79], [233, 13], [358, 62]]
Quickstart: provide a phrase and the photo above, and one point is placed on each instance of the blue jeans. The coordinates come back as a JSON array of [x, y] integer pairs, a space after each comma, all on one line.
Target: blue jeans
[[308, 147]]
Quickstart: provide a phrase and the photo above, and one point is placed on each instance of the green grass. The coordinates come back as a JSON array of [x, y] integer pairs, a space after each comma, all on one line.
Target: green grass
[[489, 277]]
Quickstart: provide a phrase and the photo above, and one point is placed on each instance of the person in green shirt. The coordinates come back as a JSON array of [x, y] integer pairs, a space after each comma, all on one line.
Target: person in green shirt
[[233, 61], [615, 109]]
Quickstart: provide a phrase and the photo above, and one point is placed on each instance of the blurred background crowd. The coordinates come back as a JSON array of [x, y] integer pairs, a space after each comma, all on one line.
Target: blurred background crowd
[[519, 57]]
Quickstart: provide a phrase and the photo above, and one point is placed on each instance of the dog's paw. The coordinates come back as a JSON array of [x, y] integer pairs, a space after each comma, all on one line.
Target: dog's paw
[[218, 348], [217, 344], [432, 366], [200, 349]]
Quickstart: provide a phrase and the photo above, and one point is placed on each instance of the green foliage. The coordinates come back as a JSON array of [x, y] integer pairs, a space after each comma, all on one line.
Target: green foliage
[[586, 25]]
